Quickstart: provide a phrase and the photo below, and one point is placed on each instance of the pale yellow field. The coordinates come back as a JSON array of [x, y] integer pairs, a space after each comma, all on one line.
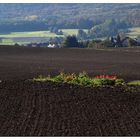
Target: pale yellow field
[[134, 32]]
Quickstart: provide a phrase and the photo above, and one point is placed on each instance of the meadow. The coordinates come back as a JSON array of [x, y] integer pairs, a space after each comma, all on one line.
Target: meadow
[[10, 38], [28, 37]]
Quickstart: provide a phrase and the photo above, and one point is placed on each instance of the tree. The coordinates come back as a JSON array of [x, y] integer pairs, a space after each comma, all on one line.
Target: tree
[[81, 34], [122, 35], [95, 44], [138, 36], [70, 42], [60, 32], [0, 40], [107, 43], [83, 23], [118, 41], [83, 44], [55, 30], [132, 43], [112, 40]]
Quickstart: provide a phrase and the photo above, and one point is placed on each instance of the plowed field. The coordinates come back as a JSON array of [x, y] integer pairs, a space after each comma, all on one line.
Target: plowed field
[[46, 109]]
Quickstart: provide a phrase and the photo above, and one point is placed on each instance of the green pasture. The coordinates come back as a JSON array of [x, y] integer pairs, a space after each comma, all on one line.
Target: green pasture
[[8, 41], [30, 34], [72, 31], [40, 33], [7, 38]]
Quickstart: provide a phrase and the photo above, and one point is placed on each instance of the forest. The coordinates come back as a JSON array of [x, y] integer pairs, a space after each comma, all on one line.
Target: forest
[[99, 19]]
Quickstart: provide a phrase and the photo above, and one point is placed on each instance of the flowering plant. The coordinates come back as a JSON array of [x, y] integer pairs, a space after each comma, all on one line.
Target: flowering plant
[[111, 77], [83, 79]]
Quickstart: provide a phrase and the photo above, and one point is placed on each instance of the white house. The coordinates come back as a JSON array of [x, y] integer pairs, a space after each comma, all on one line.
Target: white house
[[51, 46]]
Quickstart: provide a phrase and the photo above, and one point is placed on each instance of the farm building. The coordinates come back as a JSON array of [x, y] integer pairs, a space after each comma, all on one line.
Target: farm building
[[51, 46]]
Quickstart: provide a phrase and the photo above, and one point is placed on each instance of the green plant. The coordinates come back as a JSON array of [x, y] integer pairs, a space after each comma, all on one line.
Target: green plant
[[103, 82], [40, 78], [58, 78], [83, 79], [136, 82], [119, 82]]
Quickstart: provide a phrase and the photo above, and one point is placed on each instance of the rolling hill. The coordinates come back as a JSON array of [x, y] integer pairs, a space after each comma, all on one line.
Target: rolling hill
[[25, 17]]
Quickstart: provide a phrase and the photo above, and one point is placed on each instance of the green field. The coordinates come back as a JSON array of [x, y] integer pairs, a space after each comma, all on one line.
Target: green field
[[8, 37], [134, 32], [8, 41], [30, 34], [72, 31], [40, 33]]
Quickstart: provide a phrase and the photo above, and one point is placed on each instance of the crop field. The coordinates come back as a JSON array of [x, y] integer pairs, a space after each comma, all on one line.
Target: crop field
[[7, 41], [72, 31], [134, 32], [37, 36], [26, 37], [29, 108], [34, 36], [39, 33], [29, 34]]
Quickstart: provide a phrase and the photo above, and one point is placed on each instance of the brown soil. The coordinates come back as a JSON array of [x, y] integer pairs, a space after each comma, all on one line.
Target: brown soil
[[47, 109], [25, 63]]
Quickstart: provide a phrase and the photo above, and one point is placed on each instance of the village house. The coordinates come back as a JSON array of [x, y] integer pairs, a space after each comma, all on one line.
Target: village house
[[51, 46]]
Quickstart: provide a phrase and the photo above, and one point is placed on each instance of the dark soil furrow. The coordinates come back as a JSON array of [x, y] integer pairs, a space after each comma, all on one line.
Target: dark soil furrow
[[98, 119], [26, 111], [30, 108], [42, 117], [105, 119], [108, 121], [16, 119], [7, 126], [38, 110], [50, 120], [129, 124], [43, 113], [25, 125]]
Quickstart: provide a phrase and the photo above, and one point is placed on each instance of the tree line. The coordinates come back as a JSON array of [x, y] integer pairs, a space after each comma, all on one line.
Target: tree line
[[98, 18], [112, 42]]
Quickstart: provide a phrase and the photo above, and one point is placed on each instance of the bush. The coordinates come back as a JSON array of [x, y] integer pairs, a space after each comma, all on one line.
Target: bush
[[134, 83], [102, 82], [58, 78], [119, 82]]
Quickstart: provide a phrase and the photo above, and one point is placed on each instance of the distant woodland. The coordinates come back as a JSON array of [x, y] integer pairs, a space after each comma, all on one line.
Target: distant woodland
[[100, 19]]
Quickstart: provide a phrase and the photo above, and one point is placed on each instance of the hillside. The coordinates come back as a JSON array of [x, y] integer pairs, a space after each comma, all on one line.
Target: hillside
[[21, 17]]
